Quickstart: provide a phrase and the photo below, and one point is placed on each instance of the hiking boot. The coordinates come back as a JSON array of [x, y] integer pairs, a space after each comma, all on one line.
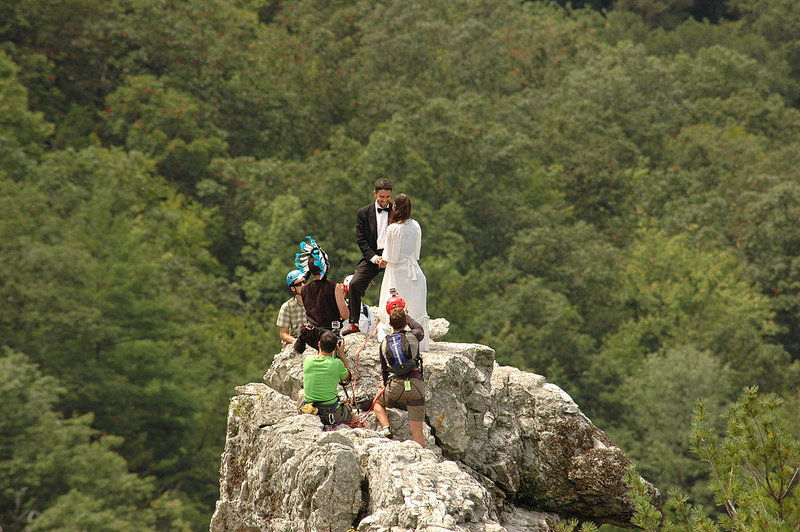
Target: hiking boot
[[353, 328]]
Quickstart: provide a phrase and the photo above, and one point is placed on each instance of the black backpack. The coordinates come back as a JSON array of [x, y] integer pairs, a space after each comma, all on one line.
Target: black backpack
[[401, 353]]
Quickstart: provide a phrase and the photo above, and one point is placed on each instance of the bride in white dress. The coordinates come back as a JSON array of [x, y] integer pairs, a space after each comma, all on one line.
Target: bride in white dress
[[401, 253]]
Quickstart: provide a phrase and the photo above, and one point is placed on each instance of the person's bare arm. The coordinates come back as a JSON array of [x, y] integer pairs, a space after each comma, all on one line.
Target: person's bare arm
[[343, 358], [344, 312], [286, 337]]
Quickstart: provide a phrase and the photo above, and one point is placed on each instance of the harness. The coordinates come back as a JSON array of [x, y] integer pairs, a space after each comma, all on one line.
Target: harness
[[335, 327], [325, 411]]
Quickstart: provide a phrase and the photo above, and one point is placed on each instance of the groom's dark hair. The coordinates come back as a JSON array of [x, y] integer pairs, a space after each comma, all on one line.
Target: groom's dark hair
[[383, 184]]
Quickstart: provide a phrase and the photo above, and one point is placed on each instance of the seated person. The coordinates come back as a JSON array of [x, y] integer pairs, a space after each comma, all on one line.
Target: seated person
[[323, 300], [292, 315], [322, 373]]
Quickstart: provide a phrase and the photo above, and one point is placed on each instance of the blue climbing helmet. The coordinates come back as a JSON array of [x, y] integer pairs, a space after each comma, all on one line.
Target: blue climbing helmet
[[293, 276]]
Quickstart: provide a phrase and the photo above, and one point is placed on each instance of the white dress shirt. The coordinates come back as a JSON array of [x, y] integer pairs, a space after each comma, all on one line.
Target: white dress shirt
[[382, 219]]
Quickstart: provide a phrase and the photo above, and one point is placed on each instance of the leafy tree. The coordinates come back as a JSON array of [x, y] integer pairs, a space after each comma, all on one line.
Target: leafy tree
[[677, 295], [777, 21], [658, 397], [666, 14], [539, 328], [272, 243], [103, 272], [241, 192], [588, 132], [69, 51], [71, 478], [22, 132], [577, 261], [771, 248], [175, 129]]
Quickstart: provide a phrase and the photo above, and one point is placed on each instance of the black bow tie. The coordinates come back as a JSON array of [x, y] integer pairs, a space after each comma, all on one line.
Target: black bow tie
[[384, 209]]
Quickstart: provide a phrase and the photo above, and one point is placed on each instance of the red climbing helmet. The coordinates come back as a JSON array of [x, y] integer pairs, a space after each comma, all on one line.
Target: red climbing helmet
[[394, 302]]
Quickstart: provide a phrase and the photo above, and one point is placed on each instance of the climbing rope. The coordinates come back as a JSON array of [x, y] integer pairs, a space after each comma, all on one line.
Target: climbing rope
[[360, 421]]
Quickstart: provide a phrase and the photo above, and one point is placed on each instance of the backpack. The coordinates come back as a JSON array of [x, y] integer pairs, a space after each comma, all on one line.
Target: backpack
[[401, 353]]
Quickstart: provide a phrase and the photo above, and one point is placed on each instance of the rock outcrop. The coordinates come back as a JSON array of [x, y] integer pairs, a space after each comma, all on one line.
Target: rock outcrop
[[505, 451]]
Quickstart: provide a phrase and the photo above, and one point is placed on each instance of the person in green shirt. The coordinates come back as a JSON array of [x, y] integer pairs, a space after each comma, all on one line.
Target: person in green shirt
[[322, 373]]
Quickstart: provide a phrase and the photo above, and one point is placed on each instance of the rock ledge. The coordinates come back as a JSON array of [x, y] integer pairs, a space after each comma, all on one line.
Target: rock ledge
[[506, 451]]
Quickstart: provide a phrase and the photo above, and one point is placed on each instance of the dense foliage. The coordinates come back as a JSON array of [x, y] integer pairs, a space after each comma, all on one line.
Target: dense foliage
[[608, 194]]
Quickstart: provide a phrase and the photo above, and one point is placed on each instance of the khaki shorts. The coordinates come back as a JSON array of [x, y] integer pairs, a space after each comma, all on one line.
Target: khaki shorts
[[396, 395]]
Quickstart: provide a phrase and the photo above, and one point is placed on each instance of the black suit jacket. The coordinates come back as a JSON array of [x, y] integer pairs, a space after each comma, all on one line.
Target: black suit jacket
[[367, 231]]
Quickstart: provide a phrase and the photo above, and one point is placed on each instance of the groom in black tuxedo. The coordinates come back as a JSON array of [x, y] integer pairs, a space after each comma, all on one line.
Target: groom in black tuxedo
[[371, 223]]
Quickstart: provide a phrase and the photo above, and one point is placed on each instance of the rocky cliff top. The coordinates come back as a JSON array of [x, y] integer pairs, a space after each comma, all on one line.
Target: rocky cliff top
[[506, 451]]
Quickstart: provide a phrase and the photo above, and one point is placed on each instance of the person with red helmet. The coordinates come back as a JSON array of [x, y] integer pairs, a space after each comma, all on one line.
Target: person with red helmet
[[401, 371], [394, 302]]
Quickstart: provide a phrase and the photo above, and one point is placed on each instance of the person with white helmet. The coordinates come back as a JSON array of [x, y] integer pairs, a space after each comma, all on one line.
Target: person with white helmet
[[292, 314], [365, 318]]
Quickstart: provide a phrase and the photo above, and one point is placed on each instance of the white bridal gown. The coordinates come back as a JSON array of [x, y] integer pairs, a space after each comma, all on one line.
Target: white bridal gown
[[401, 252]]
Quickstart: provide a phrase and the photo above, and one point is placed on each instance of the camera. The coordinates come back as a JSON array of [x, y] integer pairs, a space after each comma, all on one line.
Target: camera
[[336, 328]]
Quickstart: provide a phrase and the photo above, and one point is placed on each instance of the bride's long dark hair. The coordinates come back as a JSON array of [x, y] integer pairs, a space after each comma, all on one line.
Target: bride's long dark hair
[[401, 209]]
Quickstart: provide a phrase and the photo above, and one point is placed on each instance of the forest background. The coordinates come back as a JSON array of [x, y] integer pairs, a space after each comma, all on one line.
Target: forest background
[[608, 193]]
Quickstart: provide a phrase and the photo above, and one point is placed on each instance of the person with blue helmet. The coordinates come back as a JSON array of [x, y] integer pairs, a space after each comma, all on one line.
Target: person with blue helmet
[[292, 315]]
